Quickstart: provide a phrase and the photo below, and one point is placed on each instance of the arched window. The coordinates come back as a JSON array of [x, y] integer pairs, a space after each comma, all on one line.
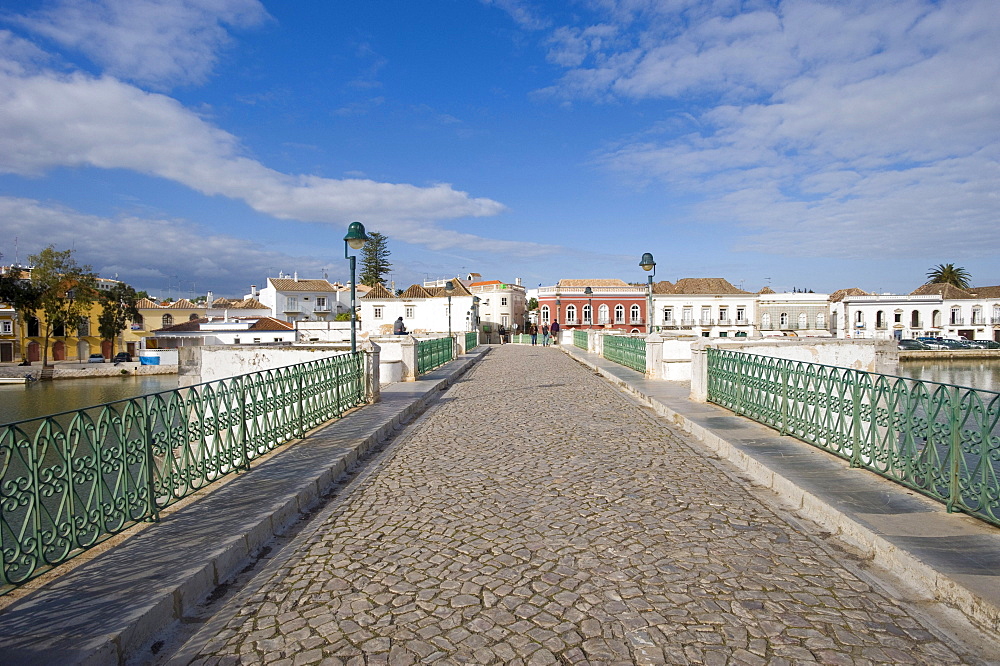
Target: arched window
[[635, 314], [803, 321], [936, 319], [603, 315], [588, 315], [783, 320], [137, 323], [619, 314], [545, 314], [859, 318], [83, 329], [977, 315], [193, 317], [956, 316], [570, 314], [820, 320], [879, 319], [765, 321], [915, 319], [168, 320]]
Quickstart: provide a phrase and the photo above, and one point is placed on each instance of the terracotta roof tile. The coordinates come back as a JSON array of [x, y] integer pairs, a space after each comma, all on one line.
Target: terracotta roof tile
[[289, 284], [378, 292], [841, 294], [706, 286], [602, 282], [415, 291], [942, 289], [271, 324]]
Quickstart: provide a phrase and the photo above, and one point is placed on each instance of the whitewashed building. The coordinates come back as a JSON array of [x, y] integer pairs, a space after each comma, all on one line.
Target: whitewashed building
[[423, 309], [795, 314], [706, 307]]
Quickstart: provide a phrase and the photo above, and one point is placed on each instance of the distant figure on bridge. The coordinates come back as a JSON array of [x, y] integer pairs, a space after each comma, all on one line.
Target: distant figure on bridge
[[399, 328], [545, 335], [555, 332], [533, 332], [503, 333]]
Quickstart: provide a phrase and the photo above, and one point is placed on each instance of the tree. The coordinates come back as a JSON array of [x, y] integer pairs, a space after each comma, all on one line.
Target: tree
[[117, 311], [67, 291], [532, 303], [949, 274], [17, 290], [374, 260]]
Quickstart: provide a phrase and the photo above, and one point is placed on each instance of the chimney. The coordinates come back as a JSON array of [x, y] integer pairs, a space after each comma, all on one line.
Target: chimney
[[296, 276], [517, 281]]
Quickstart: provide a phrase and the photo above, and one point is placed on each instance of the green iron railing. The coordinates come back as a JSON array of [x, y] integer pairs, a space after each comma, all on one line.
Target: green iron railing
[[938, 439], [70, 481], [433, 353], [582, 338], [471, 340], [627, 351]]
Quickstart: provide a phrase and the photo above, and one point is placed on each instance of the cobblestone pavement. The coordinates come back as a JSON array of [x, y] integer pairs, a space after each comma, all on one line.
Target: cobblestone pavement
[[538, 516]]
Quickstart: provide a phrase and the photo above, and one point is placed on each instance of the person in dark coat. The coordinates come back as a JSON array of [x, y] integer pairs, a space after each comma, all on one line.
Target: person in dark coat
[[399, 328]]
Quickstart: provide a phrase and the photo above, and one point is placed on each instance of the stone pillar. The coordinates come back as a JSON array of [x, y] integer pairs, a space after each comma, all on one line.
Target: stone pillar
[[408, 348], [457, 343], [699, 372], [371, 369], [654, 356]]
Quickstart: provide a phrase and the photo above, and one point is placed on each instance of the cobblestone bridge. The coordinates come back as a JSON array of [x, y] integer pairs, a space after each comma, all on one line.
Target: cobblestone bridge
[[535, 514]]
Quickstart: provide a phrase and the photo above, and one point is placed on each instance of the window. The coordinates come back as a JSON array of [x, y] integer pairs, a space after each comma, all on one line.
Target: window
[[256, 341], [977, 315], [505, 320], [859, 319], [138, 323], [706, 315], [915, 319], [723, 315], [279, 339], [409, 311], [168, 320], [291, 304], [588, 314], [619, 314], [956, 316], [503, 300], [668, 315], [820, 320], [688, 315], [741, 314], [321, 303], [545, 314], [84, 328], [803, 321], [570, 314], [7, 327], [193, 317], [879, 319], [765, 320], [236, 341], [898, 317], [635, 314], [603, 315], [377, 312], [936, 319], [783, 320]]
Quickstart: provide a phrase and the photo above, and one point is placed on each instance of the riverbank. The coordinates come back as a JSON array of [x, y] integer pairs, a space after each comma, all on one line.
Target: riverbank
[[949, 354], [73, 370]]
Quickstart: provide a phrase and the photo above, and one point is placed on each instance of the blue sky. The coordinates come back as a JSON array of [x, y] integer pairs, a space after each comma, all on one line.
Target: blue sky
[[195, 145]]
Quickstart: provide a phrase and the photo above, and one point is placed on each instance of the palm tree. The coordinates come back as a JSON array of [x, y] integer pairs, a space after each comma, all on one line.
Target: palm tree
[[949, 274]]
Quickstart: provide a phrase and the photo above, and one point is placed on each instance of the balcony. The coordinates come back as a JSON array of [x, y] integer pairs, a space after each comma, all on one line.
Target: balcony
[[957, 321]]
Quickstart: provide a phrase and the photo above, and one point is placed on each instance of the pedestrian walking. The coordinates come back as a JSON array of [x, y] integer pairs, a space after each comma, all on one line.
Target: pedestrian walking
[[555, 332], [533, 332], [503, 333], [545, 335]]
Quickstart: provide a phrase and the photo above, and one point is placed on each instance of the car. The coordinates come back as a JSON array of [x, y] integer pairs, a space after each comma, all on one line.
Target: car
[[122, 357], [952, 344], [96, 358], [912, 345], [933, 343]]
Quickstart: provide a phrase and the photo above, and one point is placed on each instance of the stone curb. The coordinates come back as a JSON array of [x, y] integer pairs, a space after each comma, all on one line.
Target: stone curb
[[110, 609], [905, 565]]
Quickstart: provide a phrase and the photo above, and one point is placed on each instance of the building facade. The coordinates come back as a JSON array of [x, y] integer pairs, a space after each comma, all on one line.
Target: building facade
[[706, 307], [610, 304]]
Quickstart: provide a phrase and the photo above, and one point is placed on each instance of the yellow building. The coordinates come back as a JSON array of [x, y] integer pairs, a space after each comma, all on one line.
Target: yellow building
[[153, 316]]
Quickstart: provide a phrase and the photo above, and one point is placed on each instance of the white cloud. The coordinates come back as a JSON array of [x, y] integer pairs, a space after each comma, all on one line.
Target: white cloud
[[152, 42], [79, 121], [824, 129], [148, 253]]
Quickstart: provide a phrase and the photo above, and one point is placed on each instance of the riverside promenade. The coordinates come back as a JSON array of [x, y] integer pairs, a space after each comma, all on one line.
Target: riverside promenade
[[534, 513]]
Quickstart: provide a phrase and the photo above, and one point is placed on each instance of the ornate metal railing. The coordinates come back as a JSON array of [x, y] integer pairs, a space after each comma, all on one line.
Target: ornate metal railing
[[433, 353], [70, 481], [938, 439], [627, 351], [581, 339], [471, 340]]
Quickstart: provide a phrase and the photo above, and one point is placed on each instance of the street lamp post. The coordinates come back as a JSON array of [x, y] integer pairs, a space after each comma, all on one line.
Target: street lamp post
[[589, 293], [449, 288], [647, 264], [356, 239]]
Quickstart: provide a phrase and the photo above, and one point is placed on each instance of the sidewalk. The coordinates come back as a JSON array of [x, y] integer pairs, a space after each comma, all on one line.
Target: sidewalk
[[107, 610], [954, 557]]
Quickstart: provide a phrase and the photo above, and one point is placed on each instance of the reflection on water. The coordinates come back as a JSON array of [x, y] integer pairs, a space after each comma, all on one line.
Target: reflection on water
[[983, 375], [19, 402]]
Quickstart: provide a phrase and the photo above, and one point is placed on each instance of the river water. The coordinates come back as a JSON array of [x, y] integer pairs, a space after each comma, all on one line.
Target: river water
[[978, 374], [19, 402]]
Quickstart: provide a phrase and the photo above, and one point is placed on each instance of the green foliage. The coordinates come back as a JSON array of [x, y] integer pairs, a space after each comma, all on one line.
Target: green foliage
[[67, 290], [118, 310], [532, 303], [343, 316], [374, 260], [21, 294], [949, 274]]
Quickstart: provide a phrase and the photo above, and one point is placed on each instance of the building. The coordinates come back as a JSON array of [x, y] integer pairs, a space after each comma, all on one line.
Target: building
[[423, 309], [610, 304], [931, 310], [200, 332], [500, 304], [154, 316], [10, 337], [706, 307], [796, 314]]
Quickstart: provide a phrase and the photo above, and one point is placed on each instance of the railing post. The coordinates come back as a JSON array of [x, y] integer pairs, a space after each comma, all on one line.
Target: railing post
[[783, 370], [408, 348], [699, 372], [246, 422], [154, 510], [955, 416], [654, 356], [856, 421], [372, 353]]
